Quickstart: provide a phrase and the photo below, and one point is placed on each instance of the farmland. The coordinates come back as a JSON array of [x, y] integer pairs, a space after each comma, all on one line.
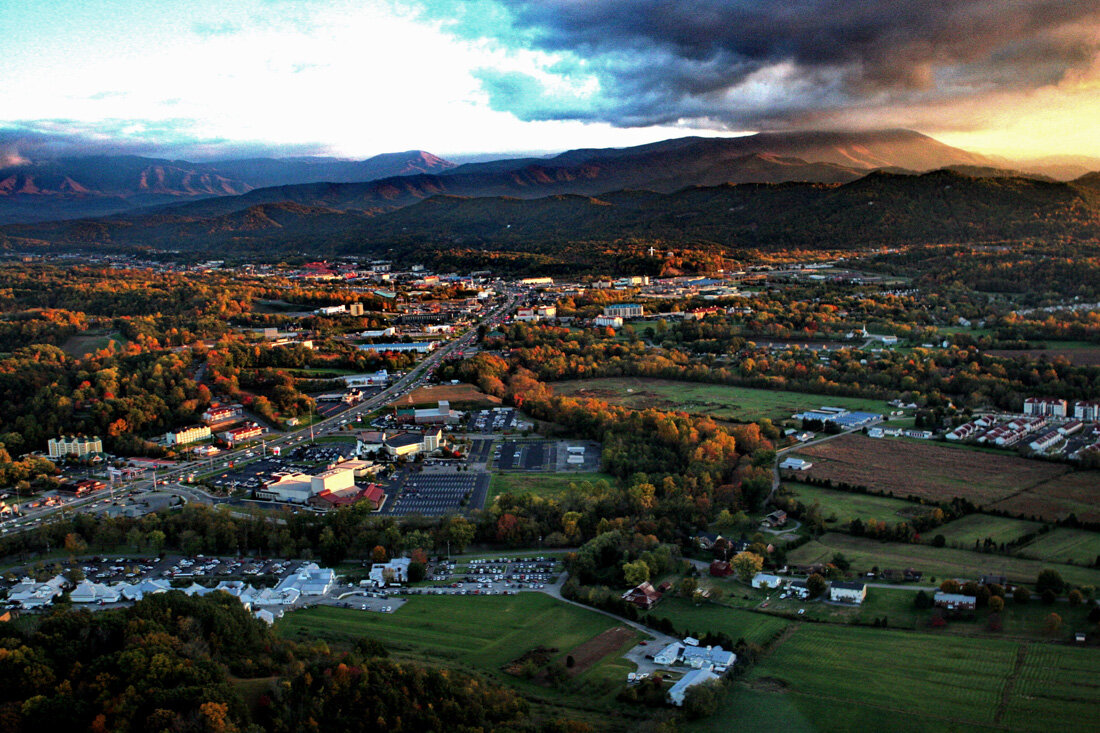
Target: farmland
[[485, 634], [1065, 545], [541, 484], [841, 507], [930, 471], [861, 679], [1072, 493], [977, 527], [940, 563], [718, 401]]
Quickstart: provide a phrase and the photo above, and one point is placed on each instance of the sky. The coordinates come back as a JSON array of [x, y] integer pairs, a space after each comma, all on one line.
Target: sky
[[207, 79]]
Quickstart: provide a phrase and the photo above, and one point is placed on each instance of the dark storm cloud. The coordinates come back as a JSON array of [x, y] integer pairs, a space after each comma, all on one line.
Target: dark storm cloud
[[743, 63]]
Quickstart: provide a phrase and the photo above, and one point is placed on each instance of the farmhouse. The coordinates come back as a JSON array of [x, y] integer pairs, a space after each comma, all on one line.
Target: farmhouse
[[954, 601], [846, 592], [644, 595], [766, 580]]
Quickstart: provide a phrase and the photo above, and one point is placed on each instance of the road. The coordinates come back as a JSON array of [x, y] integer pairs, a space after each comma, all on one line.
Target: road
[[417, 376]]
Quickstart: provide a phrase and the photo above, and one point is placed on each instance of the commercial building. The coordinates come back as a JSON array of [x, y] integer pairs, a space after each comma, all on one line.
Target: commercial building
[[216, 414], [420, 347], [190, 434], [1089, 411], [1045, 406], [536, 313], [694, 677], [74, 446], [608, 321], [242, 434], [623, 310]]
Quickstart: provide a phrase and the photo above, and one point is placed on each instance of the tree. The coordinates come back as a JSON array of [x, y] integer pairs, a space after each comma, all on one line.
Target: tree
[[702, 700], [1049, 579], [688, 586], [636, 572], [841, 562], [950, 586], [1021, 595], [996, 604], [378, 554], [416, 572], [75, 544], [816, 585], [1076, 597], [459, 533], [1052, 623], [922, 600], [746, 565]]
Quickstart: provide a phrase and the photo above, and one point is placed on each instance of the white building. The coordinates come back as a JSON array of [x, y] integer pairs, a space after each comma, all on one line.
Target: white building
[[311, 580], [1045, 406], [694, 677], [389, 573], [766, 580], [190, 434], [536, 313], [378, 379], [623, 310], [845, 592], [669, 655], [1089, 411], [710, 657], [88, 592], [795, 464], [30, 593], [72, 445], [608, 321]]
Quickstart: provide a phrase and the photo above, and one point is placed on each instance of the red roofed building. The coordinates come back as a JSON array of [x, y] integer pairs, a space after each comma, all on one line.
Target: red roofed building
[[643, 596]]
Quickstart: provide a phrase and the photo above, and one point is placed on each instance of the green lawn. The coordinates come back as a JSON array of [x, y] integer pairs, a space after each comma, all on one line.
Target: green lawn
[[482, 634], [758, 628], [841, 507], [848, 678], [940, 563], [541, 484], [962, 532], [1065, 545], [719, 401], [745, 707]]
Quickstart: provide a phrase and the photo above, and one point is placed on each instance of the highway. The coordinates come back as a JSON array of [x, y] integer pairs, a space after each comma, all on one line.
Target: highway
[[417, 376]]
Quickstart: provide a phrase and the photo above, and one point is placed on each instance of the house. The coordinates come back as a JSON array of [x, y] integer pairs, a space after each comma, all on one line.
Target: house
[[706, 540], [766, 580], [643, 595], [847, 592], [795, 464], [799, 588], [694, 677], [778, 518], [390, 573], [954, 601], [720, 569], [993, 579]]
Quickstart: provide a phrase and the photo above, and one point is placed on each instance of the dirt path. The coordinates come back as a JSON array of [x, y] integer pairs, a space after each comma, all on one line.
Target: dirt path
[[1010, 683]]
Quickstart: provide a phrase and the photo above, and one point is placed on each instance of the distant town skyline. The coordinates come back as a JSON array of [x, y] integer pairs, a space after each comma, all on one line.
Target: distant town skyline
[[201, 80]]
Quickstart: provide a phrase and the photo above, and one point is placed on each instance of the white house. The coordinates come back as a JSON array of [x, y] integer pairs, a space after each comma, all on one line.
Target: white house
[[795, 464], [845, 592], [694, 677], [766, 580]]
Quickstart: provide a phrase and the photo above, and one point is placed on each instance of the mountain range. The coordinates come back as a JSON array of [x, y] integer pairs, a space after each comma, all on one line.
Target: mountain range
[[811, 189]]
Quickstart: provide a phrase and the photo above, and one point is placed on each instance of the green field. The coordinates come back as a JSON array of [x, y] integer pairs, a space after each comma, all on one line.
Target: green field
[[841, 507], [719, 401], [745, 707], [92, 341], [1065, 545], [758, 628], [939, 563], [963, 532], [542, 484], [846, 678], [482, 634]]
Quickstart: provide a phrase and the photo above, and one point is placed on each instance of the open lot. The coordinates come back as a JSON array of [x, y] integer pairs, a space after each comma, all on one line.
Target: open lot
[[461, 396], [1065, 545], [1080, 353], [541, 484], [931, 471], [485, 634], [91, 341], [687, 617], [867, 679], [977, 527], [547, 456], [841, 507], [938, 563], [719, 401], [1072, 493]]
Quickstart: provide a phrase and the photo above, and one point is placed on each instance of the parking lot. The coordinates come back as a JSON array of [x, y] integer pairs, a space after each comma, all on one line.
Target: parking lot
[[435, 494], [547, 456], [303, 458], [480, 451], [493, 421], [494, 576]]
